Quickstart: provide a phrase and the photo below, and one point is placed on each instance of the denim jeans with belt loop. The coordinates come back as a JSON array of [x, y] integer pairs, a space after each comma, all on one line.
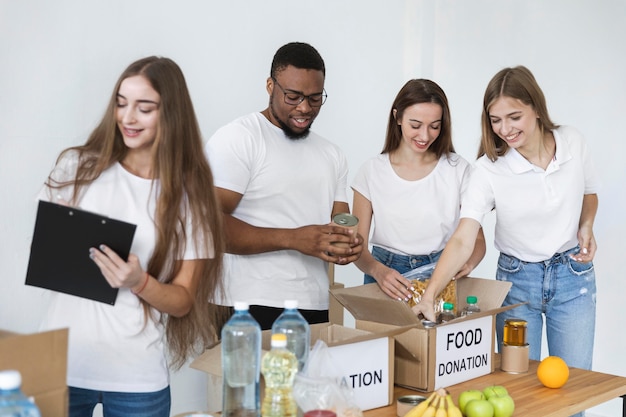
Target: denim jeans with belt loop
[[561, 289], [401, 263]]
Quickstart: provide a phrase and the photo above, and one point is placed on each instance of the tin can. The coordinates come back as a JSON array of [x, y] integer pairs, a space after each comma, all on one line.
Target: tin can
[[406, 403], [514, 332], [428, 324], [346, 220]]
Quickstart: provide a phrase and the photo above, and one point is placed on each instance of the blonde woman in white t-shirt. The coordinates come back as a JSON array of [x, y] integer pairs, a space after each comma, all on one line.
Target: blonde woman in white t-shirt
[[409, 196], [540, 180]]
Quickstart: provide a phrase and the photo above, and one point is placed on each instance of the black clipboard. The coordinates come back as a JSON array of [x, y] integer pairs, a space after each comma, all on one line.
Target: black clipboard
[[59, 253]]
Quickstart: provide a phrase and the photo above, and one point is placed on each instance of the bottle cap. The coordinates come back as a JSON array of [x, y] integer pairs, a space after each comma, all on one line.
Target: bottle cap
[[291, 304], [471, 299], [279, 340], [448, 306], [10, 379], [241, 305]]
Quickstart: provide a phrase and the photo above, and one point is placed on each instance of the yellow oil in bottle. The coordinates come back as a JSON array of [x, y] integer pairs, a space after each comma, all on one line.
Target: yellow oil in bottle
[[514, 332]]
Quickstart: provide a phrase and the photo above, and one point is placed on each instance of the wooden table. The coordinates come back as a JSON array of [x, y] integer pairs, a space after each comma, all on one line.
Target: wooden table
[[583, 390]]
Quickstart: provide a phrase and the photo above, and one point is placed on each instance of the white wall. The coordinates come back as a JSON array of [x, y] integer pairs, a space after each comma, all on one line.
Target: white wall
[[59, 61]]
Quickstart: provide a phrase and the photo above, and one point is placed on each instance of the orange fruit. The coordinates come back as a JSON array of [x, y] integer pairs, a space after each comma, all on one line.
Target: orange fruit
[[553, 372]]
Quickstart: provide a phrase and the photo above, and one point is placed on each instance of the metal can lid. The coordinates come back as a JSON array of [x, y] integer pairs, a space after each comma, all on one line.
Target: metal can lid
[[345, 219], [411, 399], [428, 324], [515, 322]]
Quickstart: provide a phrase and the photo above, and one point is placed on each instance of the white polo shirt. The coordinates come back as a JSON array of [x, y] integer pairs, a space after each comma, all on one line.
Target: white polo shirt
[[537, 211]]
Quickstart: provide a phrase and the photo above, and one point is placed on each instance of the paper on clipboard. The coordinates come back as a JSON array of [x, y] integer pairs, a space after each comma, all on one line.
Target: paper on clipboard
[[59, 254]]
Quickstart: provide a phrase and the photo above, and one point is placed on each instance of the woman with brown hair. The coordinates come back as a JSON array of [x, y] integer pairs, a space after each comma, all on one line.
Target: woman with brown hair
[[143, 164], [411, 192]]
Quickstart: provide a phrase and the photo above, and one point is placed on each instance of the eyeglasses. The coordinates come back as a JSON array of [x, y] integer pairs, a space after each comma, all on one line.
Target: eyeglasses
[[293, 98]]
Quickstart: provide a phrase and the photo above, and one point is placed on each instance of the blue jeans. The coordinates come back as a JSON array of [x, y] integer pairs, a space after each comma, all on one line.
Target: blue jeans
[[120, 404], [565, 292], [401, 263]]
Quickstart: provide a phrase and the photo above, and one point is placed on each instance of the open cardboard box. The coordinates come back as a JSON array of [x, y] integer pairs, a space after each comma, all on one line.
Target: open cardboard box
[[430, 358], [41, 359], [364, 361]]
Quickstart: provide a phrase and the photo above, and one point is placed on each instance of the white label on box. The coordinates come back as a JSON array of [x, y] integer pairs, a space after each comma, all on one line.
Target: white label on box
[[463, 351], [364, 366]]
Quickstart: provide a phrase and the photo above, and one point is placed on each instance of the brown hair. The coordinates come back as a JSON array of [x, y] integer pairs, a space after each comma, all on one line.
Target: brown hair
[[185, 184], [517, 83], [415, 92]]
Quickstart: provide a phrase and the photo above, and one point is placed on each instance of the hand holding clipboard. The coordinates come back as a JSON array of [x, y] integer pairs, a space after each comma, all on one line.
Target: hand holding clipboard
[[59, 256]]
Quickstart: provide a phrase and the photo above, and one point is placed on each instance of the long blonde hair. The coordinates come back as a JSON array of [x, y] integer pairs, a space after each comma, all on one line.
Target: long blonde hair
[[185, 184]]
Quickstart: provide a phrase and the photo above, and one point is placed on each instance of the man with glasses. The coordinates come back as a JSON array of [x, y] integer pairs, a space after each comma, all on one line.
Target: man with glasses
[[279, 185]]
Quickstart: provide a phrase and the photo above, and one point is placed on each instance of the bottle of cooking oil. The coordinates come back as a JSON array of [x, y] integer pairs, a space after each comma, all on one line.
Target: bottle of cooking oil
[[279, 368]]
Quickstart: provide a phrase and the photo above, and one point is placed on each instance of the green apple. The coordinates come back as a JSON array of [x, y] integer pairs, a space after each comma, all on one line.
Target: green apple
[[497, 390], [503, 405], [469, 395], [479, 408]]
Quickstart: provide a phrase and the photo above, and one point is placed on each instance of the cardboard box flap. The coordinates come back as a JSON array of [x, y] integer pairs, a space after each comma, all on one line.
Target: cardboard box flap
[[50, 348], [369, 303], [210, 361], [491, 293], [334, 335]]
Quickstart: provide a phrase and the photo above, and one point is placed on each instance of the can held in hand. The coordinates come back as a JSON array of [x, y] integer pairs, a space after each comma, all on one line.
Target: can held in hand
[[346, 220]]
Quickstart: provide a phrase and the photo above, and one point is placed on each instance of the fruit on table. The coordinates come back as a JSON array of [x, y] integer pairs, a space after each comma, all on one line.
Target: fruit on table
[[441, 408], [553, 372], [491, 401], [479, 408], [438, 404], [494, 390], [503, 405], [453, 410], [418, 410], [467, 396]]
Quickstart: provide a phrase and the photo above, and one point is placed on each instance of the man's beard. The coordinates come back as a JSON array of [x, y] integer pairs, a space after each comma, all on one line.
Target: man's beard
[[289, 132]]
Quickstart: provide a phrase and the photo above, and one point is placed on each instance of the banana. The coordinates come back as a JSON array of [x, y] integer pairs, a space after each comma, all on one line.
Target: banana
[[453, 410], [418, 410], [432, 408], [441, 411]]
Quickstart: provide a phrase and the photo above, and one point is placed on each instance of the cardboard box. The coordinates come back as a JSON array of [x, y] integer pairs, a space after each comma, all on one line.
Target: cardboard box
[[429, 358], [41, 358], [365, 361]]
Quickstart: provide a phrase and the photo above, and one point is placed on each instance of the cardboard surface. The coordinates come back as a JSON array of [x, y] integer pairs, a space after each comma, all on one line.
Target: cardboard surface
[[371, 379], [41, 358], [429, 358]]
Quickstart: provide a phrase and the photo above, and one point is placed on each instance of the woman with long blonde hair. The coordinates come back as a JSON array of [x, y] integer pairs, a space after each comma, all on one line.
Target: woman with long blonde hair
[[143, 164], [540, 179]]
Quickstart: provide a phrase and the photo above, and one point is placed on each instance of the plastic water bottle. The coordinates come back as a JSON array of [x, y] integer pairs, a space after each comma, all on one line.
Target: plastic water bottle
[[297, 329], [447, 314], [279, 369], [13, 402], [241, 364], [472, 306]]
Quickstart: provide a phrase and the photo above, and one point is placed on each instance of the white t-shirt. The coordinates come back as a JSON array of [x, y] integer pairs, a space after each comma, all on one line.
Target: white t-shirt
[[413, 217], [109, 347], [537, 211], [285, 183]]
